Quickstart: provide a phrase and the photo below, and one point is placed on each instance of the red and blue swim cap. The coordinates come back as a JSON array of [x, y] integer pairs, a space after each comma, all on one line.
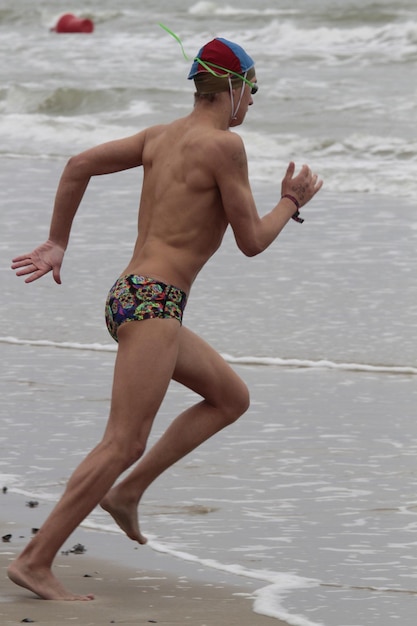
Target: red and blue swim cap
[[221, 55]]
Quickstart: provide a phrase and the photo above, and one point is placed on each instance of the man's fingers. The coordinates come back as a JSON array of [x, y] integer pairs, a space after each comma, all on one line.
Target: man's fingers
[[318, 186], [57, 275], [20, 262], [27, 269], [290, 170], [27, 266], [21, 257], [34, 276]]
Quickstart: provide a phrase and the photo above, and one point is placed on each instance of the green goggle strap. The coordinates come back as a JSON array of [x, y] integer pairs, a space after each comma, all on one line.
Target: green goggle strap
[[204, 63]]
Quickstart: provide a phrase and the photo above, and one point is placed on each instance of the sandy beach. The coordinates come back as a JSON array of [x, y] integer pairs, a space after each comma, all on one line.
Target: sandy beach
[[161, 591]]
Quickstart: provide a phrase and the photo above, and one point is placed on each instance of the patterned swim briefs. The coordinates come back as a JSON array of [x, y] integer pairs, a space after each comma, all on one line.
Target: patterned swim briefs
[[135, 298]]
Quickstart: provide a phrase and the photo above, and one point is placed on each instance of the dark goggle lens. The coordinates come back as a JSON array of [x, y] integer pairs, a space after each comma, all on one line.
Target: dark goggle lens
[[254, 89]]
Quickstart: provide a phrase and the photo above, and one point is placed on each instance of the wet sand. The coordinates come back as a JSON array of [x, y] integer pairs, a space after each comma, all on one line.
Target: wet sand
[[161, 590]]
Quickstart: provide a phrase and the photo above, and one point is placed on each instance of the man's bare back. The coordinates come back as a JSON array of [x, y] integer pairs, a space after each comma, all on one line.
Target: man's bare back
[[181, 216]]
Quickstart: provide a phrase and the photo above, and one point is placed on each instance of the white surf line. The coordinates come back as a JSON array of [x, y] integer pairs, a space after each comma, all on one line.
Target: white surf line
[[242, 360], [412, 592], [69, 345], [322, 363]]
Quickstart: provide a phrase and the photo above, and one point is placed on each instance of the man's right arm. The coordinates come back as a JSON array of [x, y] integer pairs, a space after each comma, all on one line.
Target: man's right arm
[[106, 158], [113, 156]]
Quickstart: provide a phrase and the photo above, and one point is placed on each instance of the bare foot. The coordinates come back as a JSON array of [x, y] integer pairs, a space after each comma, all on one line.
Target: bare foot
[[41, 581], [124, 514]]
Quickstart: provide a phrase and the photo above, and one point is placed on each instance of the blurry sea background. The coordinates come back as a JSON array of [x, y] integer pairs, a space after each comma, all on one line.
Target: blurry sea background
[[312, 494]]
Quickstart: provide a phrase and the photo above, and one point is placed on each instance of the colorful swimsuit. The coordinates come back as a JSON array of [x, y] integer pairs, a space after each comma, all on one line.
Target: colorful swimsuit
[[139, 298]]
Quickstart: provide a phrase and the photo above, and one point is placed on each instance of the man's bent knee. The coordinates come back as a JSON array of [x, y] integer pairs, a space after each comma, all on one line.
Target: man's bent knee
[[237, 402], [243, 401]]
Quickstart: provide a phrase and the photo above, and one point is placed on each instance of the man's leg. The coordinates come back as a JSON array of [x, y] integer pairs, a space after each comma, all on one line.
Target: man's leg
[[144, 366], [225, 398]]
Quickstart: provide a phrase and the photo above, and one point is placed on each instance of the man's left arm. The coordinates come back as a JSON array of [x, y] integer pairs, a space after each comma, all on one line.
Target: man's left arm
[[253, 233]]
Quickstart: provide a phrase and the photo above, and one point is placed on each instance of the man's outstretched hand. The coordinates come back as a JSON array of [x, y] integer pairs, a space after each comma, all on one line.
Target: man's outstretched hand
[[43, 259]]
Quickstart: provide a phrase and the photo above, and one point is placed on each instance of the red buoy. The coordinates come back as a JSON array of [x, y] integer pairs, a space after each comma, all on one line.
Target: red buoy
[[69, 23]]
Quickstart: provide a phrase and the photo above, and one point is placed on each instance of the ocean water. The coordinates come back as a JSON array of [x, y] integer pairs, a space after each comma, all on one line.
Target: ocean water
[[313, 493]]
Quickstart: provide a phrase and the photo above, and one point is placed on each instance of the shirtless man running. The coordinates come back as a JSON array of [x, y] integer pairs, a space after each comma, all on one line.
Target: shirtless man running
[[195, 184]]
